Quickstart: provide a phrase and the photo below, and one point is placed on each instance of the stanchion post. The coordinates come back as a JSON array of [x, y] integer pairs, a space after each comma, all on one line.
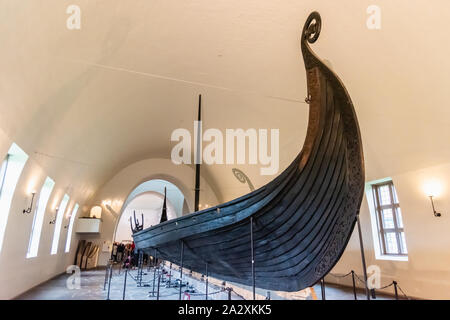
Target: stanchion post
[[229, 293], [109, 281], [395, 289], [154, 278], [322, 288], [106, 277], [253, 258], [181, 268], [125, 284], [363, 258], [140, 266], [159, 280], [170, 273], [206, 290], [354, 285]]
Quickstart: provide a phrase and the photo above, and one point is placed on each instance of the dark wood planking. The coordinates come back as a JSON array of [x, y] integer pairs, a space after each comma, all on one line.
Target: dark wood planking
[[302, 219]]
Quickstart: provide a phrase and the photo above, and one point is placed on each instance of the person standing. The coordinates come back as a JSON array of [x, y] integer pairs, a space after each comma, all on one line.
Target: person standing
[[114, 252], [120, 250]]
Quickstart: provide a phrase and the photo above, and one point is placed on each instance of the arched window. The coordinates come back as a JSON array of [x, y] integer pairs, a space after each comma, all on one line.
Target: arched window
[[10, 172], [69, 231], [58, 223], [38, 219]]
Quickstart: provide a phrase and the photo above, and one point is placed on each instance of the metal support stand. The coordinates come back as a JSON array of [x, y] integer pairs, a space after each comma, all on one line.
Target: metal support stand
[[322, 288], [109, 281], [154, 280], [154, 275], [140, 268], [395, 289], [181, 268], [106, 277], [170, 273], [354, 285], [125, 284], [253, 258], [229, 293], [159, 280], [206, 290], [363, 258]]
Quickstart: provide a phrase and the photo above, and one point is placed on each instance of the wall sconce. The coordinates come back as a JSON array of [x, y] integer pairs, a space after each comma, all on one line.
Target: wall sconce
[[432, 189], [53, 221], [436, 214], [67, 225], [33, 193]]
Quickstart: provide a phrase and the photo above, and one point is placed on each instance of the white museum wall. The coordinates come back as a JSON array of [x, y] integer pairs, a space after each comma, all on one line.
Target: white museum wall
[[426, 274], [18, 273]]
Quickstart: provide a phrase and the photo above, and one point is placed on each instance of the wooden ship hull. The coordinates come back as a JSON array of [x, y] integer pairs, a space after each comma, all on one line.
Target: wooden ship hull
[[296, 227]]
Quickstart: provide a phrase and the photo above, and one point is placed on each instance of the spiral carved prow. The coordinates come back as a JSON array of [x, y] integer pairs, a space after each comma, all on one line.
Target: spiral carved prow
[[312, 27]]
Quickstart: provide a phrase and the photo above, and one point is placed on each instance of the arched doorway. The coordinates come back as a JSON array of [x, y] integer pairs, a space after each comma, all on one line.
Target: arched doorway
[[147, 200], [147, 205]]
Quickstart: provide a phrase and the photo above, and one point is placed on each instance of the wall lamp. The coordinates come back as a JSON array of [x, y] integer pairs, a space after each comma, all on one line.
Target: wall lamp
[[432, 189], [436, 214], [53, 221], [31, 204], [66, 226]]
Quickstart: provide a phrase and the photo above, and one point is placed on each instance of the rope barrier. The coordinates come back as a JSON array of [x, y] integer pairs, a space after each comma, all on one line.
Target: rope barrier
[[364, 283], [239, 295], [386, 286], [202, 294], [340, 276], [407, 298], [243, 298]]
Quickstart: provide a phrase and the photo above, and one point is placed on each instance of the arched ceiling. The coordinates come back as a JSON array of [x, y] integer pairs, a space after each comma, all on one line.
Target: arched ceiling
[[96, 99]]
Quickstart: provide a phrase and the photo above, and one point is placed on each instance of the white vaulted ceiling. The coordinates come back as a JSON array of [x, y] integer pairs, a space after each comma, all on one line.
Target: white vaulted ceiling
[[94, 100]]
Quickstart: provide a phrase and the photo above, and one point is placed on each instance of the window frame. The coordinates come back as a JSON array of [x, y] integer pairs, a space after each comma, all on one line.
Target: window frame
[[3, 170], [394, 205]]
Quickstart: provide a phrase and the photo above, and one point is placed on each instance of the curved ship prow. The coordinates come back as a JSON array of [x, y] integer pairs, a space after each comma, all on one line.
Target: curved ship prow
[[299, 223]]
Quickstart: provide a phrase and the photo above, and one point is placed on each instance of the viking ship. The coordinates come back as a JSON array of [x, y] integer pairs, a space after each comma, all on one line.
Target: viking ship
[[288, 234]]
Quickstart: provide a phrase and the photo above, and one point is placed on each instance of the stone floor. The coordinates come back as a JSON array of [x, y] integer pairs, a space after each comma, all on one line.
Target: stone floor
[[93, 281]]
